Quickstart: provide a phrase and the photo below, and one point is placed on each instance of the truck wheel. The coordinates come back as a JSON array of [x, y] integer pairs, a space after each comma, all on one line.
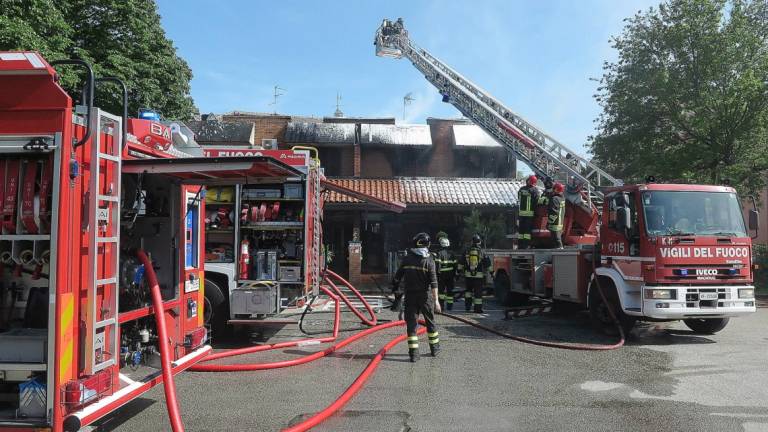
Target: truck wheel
[[503, 294], [706, 325], [215, 310], [598, 309]]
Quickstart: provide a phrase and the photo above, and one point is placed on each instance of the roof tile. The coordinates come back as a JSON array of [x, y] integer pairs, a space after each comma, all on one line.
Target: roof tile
[[431, 191]]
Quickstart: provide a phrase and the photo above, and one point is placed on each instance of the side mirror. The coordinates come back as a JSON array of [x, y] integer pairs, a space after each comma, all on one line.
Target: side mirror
[[754, 220], [623, 219]]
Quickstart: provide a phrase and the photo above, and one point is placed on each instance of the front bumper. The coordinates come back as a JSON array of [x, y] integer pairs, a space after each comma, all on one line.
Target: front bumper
[[690, 303]]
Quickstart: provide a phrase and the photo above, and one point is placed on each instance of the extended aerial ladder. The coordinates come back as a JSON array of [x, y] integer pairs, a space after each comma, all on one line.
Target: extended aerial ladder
[[546, 156]]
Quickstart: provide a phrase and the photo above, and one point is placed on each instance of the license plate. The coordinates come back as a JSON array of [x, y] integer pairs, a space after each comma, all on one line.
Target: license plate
[[708, 296]]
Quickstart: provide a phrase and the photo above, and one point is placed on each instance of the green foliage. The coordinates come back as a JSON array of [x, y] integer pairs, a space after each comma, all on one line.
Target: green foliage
[[492, 228], [686, 99], [760, 257], [122, 38]]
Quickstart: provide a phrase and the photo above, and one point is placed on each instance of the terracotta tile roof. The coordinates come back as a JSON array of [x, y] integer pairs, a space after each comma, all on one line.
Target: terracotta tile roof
[[431, 191]]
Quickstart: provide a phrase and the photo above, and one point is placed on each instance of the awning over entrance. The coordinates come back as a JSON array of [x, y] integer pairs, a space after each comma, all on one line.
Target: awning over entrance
[[352, 193], [214, 170], [427, 192]]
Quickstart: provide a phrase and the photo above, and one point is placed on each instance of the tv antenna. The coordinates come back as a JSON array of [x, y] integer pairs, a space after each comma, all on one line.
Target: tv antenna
[[407, 99], [276, 95], [338, 112]]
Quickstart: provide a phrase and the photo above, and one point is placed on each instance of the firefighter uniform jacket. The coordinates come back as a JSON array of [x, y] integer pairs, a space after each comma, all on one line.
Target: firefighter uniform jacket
[[556, 213], [527, 198], [475, 263], [419, 272], [446, 263]]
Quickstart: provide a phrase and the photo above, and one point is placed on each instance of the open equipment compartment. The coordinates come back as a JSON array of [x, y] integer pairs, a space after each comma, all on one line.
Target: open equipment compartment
[[271, 231], [28, 229]]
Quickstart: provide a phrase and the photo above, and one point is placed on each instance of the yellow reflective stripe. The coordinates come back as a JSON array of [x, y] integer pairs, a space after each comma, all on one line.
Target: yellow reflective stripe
[[467, 294], [409, 267], [446, 269], [413, 338], [477, 301], [432, 335], [434, 341], [413, 344], [449, 299], [524, 236], [441, 296], [67, 339], [477, 275]]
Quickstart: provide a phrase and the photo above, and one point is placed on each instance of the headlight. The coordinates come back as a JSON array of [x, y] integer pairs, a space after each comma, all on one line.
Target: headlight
[[660, 294], [746, 293]]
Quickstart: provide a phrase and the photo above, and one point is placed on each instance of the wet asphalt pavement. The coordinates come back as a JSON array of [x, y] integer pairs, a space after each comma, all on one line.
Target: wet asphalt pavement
[[665, 379]]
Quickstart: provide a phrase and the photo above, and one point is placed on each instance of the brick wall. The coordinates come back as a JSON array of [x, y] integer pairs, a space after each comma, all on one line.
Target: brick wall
[[441, 163], [374, 162], [267, 126]]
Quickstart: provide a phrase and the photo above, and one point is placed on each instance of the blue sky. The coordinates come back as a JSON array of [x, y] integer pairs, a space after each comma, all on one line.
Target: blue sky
[[535, 56]]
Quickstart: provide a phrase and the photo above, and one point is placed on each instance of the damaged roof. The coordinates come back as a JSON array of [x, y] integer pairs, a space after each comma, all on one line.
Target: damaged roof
[[469, 135], [320, 133], [215, 131], [430, 191]]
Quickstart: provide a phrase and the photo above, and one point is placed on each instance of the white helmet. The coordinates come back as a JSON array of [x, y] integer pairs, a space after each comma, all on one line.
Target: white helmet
[[444, 242]]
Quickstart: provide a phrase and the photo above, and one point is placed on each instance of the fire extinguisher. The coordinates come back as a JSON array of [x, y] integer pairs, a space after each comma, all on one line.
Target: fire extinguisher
[[245, 259]]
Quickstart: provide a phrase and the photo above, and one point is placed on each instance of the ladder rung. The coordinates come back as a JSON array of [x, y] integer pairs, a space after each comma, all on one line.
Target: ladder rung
[[105, 323], [108, 281], [109, 157], [106, 239], [108, 198]]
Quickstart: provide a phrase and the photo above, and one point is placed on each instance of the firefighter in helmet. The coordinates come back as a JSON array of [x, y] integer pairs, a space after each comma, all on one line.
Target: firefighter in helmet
[[474, 263], [527, 199], [446, 271], [556, 214], [420, 275]]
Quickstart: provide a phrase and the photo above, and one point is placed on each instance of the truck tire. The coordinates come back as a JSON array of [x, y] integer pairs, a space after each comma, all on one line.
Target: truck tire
[[504, 296], [598, 310], [706, 325], [215, 312]]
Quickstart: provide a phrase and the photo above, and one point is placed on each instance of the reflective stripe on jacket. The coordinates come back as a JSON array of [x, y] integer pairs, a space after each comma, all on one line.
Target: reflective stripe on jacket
[[556, 213], [527, 197]]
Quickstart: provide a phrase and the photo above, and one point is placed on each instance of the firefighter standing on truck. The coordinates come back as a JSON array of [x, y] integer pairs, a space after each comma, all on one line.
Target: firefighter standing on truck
[[527, 200], [474, 264], [418, 270], [556, 214], [446, 271]]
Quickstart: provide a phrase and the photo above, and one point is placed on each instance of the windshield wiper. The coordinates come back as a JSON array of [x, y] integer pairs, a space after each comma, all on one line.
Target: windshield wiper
[[677, 231], [724, 233]]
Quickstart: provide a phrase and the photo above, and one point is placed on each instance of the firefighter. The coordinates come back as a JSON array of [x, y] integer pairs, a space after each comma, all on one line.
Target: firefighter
[[418, 270], [446, 271], [556, 215], [474, 263], [527, 199]]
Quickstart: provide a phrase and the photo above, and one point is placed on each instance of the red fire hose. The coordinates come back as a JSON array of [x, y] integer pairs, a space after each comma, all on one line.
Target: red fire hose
[[356, 385], [162, 333], [366, 321]]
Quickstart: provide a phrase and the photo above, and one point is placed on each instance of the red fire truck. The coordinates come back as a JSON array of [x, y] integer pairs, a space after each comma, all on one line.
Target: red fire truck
[[94, 219], [662, 251]]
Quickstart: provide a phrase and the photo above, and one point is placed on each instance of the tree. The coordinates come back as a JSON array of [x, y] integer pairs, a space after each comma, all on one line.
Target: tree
[[492, 228], [119, 38], [687, 98]]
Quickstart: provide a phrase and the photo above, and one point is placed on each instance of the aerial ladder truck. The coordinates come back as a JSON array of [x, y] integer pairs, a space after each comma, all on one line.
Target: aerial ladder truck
[[660, 252]]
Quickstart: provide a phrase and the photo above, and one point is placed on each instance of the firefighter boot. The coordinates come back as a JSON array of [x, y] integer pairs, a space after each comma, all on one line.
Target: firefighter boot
[[434, 349], [413, 354], [478, 305]]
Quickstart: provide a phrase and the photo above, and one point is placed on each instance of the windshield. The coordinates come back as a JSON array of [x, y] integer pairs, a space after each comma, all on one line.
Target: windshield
[[693, 213]]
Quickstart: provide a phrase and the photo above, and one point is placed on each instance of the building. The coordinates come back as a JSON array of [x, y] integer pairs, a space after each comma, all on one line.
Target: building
[[441, 170]]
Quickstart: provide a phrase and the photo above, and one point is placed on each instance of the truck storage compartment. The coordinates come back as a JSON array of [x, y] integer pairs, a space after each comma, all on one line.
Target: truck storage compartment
[[27, 220]]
